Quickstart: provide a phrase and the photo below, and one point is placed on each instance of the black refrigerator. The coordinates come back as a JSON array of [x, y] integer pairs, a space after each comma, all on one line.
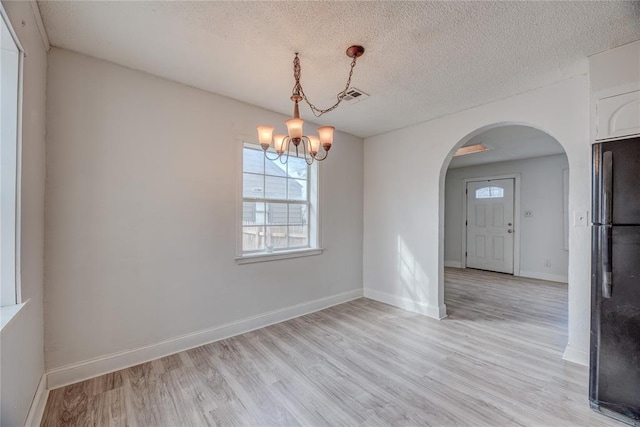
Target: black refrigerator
[[614, 386]]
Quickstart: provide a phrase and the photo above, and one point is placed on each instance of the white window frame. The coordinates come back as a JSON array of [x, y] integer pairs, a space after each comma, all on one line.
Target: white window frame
[[11, 301], [313, 190]]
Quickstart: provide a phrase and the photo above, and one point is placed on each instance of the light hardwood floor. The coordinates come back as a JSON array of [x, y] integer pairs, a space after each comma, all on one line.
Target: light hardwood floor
[[495, 361]]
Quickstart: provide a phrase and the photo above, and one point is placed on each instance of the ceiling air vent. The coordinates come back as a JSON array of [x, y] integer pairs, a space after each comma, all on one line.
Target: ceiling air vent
[[354, 95]]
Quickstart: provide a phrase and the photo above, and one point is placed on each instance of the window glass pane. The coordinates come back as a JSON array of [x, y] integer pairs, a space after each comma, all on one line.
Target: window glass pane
[[297, 168], [275, 187], [9, 94], [252, 185], [253, 238], [253, 213], [277, 237], [489, 193], [252, 161], [275, 167], [297, 189], [276, 213], [298, 214], [298, 236]]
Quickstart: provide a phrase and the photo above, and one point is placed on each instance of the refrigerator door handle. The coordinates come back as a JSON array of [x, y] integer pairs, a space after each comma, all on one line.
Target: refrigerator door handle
[[605, 245], [605, 233], [607, 187]]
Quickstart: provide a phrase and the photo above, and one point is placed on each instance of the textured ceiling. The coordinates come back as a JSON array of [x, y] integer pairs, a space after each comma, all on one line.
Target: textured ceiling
[[422, 60], [509, 143]]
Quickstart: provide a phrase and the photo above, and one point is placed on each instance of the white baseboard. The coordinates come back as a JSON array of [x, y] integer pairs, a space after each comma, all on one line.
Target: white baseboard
[[36, 411], [576, 355], [407, 304], [544, 276], [456, 264], [76, 372]]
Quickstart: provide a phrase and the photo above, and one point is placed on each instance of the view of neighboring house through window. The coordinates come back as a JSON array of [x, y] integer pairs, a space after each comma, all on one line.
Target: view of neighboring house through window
[[277, 208], [9, 94]]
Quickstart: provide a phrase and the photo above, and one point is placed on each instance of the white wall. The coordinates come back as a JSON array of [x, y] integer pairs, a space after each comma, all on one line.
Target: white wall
[[541, 235], [404, 199], [615, 71], [22, 360], [141, 198]]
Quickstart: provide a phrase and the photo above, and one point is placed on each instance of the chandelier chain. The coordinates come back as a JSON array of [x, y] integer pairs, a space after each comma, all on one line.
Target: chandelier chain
[[297, 88]]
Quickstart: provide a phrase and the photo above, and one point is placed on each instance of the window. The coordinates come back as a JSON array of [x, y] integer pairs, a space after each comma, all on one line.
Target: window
[[279, 211], [489, 193], [10, 67]]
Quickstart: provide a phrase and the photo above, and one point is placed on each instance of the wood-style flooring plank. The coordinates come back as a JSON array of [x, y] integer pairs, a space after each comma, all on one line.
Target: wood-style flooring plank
[[495, 361]]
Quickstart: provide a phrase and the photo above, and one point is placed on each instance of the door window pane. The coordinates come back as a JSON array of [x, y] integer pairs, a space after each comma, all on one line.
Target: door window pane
[[489, 193]]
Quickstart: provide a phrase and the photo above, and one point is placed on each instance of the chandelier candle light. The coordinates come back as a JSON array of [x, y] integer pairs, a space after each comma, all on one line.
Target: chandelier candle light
[[311, 144]]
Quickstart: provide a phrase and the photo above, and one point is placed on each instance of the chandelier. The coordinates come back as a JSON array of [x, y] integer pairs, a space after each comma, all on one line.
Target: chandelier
[[313, 147]]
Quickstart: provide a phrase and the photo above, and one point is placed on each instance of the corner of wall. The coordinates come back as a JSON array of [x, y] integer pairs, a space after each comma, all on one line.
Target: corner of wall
[[576, 355]]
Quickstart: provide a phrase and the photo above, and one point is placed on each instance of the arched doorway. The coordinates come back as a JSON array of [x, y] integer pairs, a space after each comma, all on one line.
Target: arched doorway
[[505, 225]]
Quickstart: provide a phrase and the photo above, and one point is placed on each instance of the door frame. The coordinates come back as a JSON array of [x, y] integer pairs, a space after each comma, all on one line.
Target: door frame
[[516, 217]]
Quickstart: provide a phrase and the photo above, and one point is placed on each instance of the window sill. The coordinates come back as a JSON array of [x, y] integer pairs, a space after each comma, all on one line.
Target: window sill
[[263, 257], [9, 312]]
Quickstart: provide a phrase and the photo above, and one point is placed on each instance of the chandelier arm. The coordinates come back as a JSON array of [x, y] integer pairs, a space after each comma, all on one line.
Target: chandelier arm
[[269, 158], [318, 158], [285, 157], [297, 88], [314, 156], [285, 146], [305, 141]]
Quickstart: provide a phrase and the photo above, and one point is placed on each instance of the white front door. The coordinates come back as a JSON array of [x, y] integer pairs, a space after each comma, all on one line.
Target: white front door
[[490, 225]]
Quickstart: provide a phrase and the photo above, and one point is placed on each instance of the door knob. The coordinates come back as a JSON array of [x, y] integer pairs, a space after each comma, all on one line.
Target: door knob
[[509, 231]]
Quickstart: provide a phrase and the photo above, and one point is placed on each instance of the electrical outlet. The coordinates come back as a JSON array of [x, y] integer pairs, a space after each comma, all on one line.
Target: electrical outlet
[[528, 214]]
